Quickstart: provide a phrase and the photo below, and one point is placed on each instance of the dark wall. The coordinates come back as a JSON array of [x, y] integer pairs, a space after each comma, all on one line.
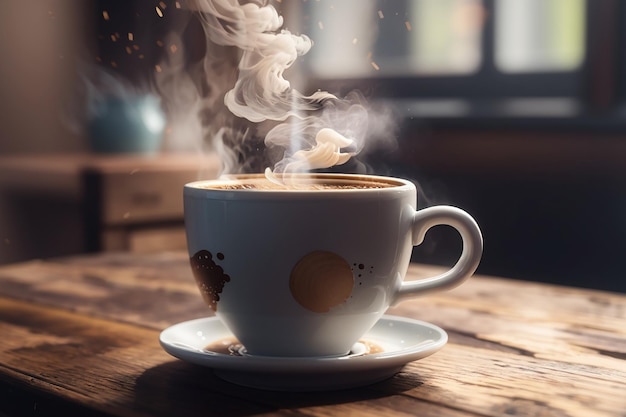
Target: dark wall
[[551, 205]]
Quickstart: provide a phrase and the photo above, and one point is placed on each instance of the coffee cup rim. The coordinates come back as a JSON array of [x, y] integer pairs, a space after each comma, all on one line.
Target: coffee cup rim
[[396, 185]]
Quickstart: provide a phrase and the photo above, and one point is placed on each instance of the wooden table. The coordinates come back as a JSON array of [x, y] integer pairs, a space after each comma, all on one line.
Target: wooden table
[[79, 336]]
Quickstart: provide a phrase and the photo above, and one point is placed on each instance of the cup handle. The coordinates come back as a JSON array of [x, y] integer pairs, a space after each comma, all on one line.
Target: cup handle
[[467, 263]]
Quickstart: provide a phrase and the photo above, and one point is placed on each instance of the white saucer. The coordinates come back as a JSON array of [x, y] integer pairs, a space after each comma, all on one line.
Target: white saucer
[[399, 341]]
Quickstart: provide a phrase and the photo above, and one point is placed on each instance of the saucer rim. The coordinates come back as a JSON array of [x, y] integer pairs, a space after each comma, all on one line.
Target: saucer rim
[[303, 365]]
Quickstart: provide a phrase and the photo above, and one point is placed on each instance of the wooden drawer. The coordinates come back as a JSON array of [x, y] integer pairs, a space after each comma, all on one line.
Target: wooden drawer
[[138, 191], [126, 199], [143, 197]]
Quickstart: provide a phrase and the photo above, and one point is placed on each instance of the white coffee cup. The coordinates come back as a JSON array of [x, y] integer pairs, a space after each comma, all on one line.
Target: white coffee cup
[[307, 272]]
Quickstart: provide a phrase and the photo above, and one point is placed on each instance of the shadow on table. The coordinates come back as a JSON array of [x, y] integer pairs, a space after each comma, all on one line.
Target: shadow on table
[[179, 388]]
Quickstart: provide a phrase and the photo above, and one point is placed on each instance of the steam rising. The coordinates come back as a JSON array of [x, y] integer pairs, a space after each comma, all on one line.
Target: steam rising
[[261, 92], [325, 153], [301, 132]]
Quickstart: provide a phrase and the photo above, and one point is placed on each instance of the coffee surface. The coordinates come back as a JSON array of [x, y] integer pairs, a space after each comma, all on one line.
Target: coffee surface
[[309, 185]]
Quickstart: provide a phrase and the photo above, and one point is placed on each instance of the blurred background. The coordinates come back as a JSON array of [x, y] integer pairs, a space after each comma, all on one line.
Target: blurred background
[[510, 109]]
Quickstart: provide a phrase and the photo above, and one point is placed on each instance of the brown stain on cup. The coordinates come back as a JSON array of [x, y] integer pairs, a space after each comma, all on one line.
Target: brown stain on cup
[[321, 280], [209, 276]]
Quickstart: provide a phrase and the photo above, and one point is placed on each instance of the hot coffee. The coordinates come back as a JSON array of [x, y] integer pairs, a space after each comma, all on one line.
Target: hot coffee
[[308, 183]]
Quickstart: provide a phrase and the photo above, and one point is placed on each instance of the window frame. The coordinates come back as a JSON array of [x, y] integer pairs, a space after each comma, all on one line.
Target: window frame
[[595, 89]]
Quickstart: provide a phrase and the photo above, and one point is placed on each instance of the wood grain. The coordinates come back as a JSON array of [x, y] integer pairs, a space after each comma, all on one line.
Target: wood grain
[[80, 336]]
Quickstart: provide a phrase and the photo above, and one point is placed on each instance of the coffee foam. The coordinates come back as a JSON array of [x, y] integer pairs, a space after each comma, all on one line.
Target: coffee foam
[[311, 184]]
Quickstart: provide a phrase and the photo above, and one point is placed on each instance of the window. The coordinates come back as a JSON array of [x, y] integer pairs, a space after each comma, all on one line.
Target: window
[[539, 35], [395, 38], [461, 57]]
